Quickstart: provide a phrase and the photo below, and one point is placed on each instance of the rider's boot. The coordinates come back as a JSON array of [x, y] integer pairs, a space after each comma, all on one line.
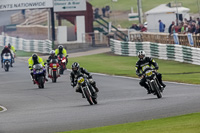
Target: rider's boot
[[95, 87]]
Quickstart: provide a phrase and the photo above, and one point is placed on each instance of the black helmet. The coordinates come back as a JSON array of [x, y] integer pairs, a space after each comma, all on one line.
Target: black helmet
[[75, 67], [141, 55], [60, 47], [9, 46], [34, 57]]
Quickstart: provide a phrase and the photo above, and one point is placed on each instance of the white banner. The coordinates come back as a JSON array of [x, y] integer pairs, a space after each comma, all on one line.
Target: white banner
[[24, 4], [69, 5]]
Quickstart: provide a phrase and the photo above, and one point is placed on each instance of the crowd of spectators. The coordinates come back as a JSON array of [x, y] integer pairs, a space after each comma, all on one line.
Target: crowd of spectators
[[186, 26]]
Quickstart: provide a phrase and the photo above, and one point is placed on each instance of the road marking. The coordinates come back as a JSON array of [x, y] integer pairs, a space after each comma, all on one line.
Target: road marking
[[4, 109]]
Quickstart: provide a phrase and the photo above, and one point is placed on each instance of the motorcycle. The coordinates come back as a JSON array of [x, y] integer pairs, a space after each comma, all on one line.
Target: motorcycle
[[38, 75], [152, 82], [87, 90], [62, 62], [6, 61], [54, 69]]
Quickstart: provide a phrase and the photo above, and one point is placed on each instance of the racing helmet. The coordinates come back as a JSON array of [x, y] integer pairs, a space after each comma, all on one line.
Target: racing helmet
[[52, 52], [141, 55], [34, 57], [75, 67], [60, 47]]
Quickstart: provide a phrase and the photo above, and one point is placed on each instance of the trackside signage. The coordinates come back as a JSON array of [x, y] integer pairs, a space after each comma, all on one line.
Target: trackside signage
[[24, 4], [69, 5]]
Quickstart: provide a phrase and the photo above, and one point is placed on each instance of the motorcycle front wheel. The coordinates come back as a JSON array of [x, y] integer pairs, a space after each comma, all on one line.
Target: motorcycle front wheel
[[88, 96]]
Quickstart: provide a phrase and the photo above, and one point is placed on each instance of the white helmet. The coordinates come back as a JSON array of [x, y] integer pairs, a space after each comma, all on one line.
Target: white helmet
[[141, 55], [52, 52]]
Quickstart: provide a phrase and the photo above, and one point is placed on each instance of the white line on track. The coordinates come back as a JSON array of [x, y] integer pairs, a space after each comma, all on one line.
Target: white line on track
[[4, 109]]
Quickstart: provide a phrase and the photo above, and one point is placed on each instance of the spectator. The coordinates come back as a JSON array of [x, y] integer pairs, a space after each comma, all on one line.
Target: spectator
[[170, 27], [198, 21], [104, 11], [161, 26], [134, 26], [23, 11], [197, 31], [142, 28], [96, 13], [193, 27], [107, 8]]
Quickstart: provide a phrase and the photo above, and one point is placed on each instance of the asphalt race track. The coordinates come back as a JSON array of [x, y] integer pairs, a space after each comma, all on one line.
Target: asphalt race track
[[58, 108]]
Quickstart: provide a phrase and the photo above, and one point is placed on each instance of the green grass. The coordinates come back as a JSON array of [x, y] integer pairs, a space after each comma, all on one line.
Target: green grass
[[125, 5], [1, 109], [122, 65], [179, 124], [20, 53]]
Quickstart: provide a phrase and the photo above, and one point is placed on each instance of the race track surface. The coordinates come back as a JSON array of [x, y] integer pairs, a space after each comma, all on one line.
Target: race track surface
[[58, 108]]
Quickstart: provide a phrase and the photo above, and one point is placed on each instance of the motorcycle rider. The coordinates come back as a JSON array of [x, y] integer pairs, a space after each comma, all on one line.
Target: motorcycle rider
[[76, 71], [12, 48], [52, 56], [61, 50], [5, 50], [143, 63], [35, 59]]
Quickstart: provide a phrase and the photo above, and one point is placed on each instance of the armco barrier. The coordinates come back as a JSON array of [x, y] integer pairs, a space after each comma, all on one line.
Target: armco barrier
[[162, 51], [39, 46]]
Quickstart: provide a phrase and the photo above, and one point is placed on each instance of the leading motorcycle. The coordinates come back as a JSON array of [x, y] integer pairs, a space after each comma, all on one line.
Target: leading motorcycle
[[87, 89], [39, 75], [152, 82]]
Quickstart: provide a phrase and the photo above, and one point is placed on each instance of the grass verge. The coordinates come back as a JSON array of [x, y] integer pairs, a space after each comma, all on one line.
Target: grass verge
[[1, 109], [179, 124], [125, 66]]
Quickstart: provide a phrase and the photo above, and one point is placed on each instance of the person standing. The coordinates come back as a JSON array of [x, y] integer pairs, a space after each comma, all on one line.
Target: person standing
[[161, 26]]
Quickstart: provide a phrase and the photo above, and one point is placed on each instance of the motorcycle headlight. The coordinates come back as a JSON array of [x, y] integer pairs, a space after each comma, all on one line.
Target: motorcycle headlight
[[37, 71], [41, 70], [63, 61]]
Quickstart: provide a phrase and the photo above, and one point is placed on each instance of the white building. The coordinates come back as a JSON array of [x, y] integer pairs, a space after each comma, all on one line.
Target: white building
[[166, 14]]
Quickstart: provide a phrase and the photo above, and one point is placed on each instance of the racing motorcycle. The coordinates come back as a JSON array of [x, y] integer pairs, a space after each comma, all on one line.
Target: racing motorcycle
[[6, 61], [54, 70], [62, 62], [152, 82], [87, 89], [39, 75]]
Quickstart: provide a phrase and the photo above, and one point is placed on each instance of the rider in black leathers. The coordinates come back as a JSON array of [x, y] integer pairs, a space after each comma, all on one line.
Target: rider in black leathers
[[76, 71], [5, 50], [142, 64]]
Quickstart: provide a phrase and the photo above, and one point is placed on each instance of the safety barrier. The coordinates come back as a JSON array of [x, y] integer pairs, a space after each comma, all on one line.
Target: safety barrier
[[162, 51], [39, 46]]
